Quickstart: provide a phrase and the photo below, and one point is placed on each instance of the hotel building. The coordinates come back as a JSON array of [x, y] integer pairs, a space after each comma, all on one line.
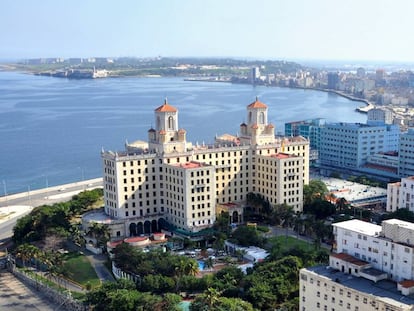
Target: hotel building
[[169, 183]]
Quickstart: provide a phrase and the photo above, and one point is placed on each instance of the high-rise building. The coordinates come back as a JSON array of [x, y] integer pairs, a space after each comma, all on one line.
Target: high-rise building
[[310, 129], [333, 80], [406, 151], [370, 269], [360, 72], [168, 182], [254, 74], [348, 145]]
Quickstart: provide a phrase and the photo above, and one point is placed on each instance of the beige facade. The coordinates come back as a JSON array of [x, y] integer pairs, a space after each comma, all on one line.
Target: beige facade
[[170, 180], [322, 288]]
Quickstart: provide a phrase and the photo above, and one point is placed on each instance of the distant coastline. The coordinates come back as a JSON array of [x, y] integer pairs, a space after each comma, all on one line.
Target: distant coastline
[[362, 109]]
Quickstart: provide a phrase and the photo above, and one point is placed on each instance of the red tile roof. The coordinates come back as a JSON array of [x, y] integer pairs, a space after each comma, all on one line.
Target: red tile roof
[[257, 104], [166, 107], [407, 283], [350, 259]]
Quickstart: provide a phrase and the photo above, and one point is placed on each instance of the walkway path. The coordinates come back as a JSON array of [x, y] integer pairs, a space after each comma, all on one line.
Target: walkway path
[[14, 295]]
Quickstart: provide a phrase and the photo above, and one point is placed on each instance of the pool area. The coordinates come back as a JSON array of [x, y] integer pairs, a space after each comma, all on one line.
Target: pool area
[[201, 265], [185, 305]]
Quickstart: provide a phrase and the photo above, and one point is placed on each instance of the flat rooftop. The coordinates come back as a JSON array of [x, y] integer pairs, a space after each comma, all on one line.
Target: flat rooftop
[[359, 226], [400, 223], [190, 165], [283, 156], [352, 192], [385, 290]]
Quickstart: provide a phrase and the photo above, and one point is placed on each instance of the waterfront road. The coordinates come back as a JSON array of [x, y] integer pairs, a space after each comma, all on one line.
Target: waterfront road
[[14, 206]]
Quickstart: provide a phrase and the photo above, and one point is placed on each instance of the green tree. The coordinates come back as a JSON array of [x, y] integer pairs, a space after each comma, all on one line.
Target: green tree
[[26, 252], [169, 303], [341, 204], [320, 208], [222, 223], [100, 232], [315, 189], [247, 236]]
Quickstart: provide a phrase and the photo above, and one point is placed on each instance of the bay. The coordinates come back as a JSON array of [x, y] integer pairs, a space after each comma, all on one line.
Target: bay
[[52, 130]]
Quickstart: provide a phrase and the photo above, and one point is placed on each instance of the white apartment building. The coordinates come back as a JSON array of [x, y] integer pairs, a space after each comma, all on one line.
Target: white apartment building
[[401, 195], [348, 145], [169, 182], [389, 248], [371, 269]]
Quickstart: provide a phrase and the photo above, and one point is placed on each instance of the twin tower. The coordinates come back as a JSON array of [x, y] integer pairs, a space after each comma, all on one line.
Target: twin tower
[[167, 137]]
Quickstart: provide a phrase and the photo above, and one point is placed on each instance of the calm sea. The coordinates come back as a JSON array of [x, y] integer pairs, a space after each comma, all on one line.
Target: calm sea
[[52, 130]]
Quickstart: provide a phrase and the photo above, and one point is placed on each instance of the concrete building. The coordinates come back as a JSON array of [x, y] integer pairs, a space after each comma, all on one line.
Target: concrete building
[[401, 195], [325, 288], [406, 154], [348, 145], [333, 80], [310, 129], [370, 269], [379, 116], [388, 248], [169, 183]]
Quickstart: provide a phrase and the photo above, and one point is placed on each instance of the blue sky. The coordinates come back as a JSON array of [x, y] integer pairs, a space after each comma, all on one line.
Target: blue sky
[[375, 30]]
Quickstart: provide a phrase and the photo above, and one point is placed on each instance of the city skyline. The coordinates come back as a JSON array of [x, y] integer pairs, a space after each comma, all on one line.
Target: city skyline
[[294, 30]]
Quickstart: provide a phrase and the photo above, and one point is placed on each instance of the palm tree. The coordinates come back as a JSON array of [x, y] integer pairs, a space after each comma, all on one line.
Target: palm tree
[[211, 296], [26, 252], [341, 204], [209, 263], [100, 232], [191, 267]]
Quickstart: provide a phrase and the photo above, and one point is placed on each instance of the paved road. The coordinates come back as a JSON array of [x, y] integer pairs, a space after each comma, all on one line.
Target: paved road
[[98, 263], [39, 197], [16, 296]]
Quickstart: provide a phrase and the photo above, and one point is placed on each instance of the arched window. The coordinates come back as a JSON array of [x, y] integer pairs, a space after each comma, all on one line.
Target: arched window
[[158, 123], [262, 118], [250, 117], [170, 123]]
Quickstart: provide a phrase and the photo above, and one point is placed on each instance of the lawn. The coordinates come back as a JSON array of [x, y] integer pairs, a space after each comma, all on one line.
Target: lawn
[[291, 242], [79, 269]]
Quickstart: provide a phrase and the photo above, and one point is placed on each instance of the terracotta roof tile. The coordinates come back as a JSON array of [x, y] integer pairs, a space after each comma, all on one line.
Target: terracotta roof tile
[[166, 107], [350, 259], [257, 104], [407, 283]]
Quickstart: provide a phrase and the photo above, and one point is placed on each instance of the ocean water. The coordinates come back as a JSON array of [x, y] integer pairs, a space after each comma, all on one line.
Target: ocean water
[[52, 130]]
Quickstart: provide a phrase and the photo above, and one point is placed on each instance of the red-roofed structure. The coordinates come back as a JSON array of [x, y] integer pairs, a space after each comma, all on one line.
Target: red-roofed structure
[[166, 107], [257, 104]]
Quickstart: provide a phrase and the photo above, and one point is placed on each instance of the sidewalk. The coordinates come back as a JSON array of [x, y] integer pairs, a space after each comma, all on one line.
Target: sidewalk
[[13, 211]]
